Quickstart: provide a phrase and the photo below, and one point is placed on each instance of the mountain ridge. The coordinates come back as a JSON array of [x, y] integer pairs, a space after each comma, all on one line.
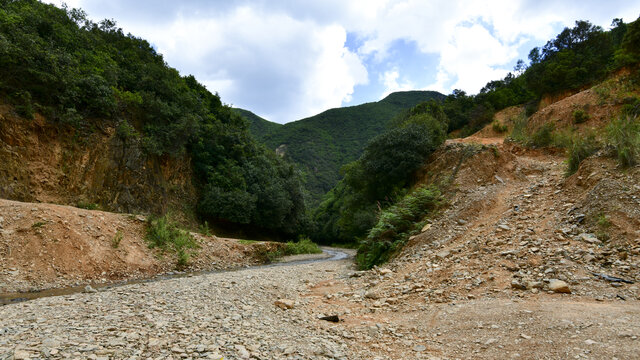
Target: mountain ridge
[[323, 143]]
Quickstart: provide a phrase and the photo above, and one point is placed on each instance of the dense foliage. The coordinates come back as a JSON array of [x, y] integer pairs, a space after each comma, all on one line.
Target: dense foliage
[[323, 143], [88, 76], [576, 58], [396, 224], [381, 175]]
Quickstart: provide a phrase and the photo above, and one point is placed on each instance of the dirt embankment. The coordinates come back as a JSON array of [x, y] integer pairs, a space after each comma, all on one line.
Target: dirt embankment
[[46, 246], [49, 163]]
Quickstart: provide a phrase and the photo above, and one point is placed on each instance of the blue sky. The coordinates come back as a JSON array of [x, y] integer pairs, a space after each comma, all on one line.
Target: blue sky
[[286, 60]]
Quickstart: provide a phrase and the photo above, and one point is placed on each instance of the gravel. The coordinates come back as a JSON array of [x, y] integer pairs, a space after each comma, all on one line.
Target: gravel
[[230, 315]]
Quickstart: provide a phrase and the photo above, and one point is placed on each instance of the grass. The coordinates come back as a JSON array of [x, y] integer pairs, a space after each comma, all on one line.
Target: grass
[[204, 229], [39, 224], [164, 234], [302, 246], [115, 242], [499, 127], [580, 116], [247, 242], [623, 134], [87, 205], [579, 148], [396, 224], [603, 223]]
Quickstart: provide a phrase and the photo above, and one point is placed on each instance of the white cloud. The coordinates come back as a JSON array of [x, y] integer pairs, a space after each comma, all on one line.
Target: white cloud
[[391, 84], [286, 60]]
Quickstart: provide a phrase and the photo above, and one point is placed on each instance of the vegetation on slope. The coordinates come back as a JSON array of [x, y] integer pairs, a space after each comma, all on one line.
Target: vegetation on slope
[[576, 58], [89, 76], [323, 143], [380, 176], [258, 127]]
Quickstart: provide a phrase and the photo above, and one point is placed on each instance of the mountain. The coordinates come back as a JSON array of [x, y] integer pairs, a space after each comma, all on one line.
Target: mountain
[[323, 143], [257, 124]]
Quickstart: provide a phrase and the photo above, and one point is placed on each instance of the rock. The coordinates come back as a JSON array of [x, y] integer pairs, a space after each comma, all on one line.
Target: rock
[[141, 218], [515, 284], [426, 227], [284, 304], [372, 295], [21, 355], [177, 350], [331, 318], [590, 342], [559, 286], [443, 254], [491, 341], [589, 238], [499, 179], [386, 271], [504, 227], [89, 289], [461, 222], [534, 285], [419, 348], [525, 336], [243, 353]]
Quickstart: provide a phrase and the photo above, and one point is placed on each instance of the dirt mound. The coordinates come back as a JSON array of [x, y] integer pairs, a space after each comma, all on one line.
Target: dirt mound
[[45, 246], [513, 224], [600, 103]]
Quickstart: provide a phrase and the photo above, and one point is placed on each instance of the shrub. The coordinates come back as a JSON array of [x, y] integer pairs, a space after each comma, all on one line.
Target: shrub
[[303, 246], [115, 242], [624, 135], [164, 234], [87, 205], [204, 229], [519, 131], [543, 136], [396, 224], [580, 116], [499, 127], [603, 224], [580, 148]]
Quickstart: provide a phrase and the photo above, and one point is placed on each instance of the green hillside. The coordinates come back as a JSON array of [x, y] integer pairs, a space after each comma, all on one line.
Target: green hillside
[[258, 126], [86, 77], [323, 143]]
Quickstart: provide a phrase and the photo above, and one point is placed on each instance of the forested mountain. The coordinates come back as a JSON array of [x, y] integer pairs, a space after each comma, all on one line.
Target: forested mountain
[[258, 126], [87, 77], [323, 143]]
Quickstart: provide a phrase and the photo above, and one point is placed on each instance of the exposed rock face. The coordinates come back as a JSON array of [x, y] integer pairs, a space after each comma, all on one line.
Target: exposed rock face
[[44, 162]]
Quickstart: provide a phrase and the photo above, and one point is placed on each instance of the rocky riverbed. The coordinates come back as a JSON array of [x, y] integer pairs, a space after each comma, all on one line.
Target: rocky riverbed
[[229, 315]]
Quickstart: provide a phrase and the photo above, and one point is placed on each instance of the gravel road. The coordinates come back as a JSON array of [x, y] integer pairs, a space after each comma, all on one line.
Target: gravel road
[[228, 315]]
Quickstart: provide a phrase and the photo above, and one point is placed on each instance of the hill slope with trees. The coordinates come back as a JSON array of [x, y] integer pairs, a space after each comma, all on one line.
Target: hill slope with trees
[[86, 78], [323, 143]]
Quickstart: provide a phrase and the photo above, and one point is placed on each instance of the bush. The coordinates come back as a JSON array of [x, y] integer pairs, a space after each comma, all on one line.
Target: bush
[[499, 127], [115, 242], [396, 224], [624, 135], [303, 246], [580, 148], [543, 136], [519, 132], [580, 116], [87, 205], [164, 234]]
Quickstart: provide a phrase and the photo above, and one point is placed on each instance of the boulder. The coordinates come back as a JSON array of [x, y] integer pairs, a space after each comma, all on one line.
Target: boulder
[[559, 286]]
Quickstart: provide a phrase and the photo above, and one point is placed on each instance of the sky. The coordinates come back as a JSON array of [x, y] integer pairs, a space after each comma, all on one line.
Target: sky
[[286, 60]]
